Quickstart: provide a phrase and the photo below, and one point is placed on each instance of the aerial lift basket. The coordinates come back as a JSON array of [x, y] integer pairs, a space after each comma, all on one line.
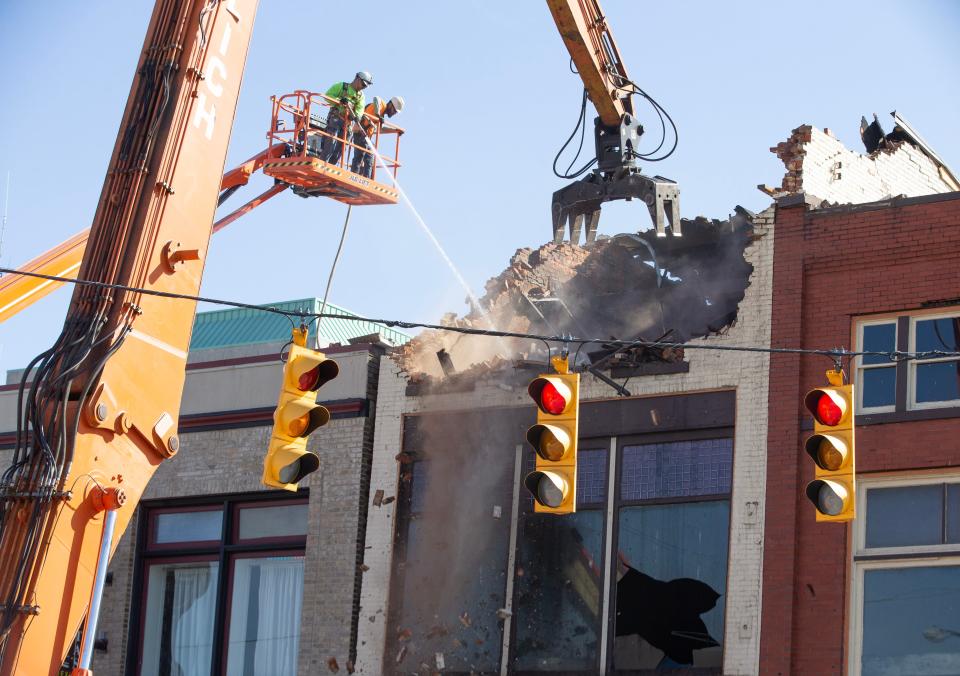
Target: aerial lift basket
[[300, 123]]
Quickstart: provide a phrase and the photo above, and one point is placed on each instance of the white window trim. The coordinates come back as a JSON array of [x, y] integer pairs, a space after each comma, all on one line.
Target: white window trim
[[912, 403], [910, 558], [861, 367]]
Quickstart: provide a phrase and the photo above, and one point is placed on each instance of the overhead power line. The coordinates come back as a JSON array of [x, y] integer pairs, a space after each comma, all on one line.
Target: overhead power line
[[836, 353]]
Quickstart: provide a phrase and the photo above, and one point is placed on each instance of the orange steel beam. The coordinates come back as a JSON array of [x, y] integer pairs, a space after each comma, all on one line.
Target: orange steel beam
[[584, 30], [125, 383], [276, 189], [18, 292]]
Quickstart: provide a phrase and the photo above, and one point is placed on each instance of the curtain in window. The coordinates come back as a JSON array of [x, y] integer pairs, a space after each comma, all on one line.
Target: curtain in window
[[178, 630], [265, 616], [192, 629]]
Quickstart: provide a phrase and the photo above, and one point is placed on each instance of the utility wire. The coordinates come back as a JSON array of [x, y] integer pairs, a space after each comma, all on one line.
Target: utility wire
[[893, 355]]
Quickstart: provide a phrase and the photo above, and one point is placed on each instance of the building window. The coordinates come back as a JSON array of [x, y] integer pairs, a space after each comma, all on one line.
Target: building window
[[934, 382], [672, 542], [632, 582], [222, 586], [906, 598], [888, 386], [453, 537], [876, 374], [559, 575]]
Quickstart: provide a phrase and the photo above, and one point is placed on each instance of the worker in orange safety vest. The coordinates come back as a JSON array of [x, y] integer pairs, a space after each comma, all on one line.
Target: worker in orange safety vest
[[373, 116]]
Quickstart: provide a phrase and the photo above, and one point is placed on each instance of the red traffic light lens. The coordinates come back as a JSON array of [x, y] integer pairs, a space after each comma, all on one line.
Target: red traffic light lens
[[551, 400], [828, 413], [308, 380]]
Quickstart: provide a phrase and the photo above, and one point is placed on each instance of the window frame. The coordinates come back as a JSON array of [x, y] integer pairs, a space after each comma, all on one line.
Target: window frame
[[230, 575], [860, 367], [724, 432], [912, 403], [222, 552], [865, 559], [525, 508], [611, 423], [152, 528], [905, 406]]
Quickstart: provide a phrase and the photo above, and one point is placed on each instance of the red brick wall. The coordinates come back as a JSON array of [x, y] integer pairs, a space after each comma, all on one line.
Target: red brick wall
[[895, 256]]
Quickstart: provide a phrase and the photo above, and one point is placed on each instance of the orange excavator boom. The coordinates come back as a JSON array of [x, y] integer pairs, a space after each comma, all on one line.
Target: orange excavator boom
[[101, 409]]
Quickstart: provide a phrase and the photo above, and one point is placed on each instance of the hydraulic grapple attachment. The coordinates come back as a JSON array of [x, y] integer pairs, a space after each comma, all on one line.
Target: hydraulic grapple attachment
[[580, 202]]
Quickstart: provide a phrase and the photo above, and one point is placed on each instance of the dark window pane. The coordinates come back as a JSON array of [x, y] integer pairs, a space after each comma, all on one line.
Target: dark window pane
[[273, 522], [591, 477], [419, 486], [938, 382], [910, 621], [905, 516], [953, 513], [559, 583], [188, 526], [879, 386], [671, 583], [879, 338], [677, 469], [938, 334], [178, 619]]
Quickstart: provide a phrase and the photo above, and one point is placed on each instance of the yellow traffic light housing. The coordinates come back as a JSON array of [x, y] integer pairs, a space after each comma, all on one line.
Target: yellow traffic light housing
[[833, 490], [297, 415], [553, 483]]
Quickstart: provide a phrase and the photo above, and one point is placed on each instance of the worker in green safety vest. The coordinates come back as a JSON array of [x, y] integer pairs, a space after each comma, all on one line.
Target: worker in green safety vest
[[350, 102]]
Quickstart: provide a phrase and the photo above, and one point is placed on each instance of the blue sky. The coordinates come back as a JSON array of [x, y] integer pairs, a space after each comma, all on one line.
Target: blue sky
[[490, 99]]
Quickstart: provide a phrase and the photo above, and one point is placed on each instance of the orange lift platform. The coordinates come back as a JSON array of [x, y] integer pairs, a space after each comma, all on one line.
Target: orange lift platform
[[297, 138], [299, 124]]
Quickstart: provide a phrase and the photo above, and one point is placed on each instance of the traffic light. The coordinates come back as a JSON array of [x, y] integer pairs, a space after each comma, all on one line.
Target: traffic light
[[297, 415], [554, 481], [833, 490]]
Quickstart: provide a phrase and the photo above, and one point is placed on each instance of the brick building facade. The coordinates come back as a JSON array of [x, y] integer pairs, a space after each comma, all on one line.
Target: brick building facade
[[414, 548], [876, 276], [206, 528]]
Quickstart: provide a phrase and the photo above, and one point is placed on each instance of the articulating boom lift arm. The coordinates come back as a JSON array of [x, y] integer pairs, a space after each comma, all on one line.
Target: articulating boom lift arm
[[17, 292], [594, 52]]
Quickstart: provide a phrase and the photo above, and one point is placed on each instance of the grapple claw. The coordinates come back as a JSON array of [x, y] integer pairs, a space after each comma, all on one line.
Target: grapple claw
[[580, 202]]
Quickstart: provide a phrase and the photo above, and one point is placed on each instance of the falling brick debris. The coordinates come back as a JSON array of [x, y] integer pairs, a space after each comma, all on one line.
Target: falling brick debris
[[401, 654], [332, 665], [378, 497], [404, 634], [465, 619], [628, 287], [350, 667], [436, 630]]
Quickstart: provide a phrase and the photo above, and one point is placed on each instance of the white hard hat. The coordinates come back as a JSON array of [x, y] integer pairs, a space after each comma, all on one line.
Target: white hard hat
[[365, 76], [397, 102]]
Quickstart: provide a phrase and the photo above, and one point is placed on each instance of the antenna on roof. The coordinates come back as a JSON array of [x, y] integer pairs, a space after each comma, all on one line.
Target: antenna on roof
[[3, 223]]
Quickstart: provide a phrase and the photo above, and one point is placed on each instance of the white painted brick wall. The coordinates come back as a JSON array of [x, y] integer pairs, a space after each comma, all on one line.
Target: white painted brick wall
[[833, 173], [745, 372]]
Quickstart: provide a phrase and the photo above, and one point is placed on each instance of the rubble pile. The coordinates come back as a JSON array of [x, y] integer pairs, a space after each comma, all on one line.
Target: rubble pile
[[626, 287]]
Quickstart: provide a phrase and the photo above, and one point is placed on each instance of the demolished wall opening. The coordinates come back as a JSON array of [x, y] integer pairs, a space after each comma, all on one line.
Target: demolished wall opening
[[628, 287]]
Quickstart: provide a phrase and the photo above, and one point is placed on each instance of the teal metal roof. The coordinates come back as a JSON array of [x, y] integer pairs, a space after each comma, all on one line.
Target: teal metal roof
[[242, 326]]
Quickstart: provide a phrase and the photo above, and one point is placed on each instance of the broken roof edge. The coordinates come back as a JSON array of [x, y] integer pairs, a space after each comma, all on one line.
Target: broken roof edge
[[907, 128], [819, 164]]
